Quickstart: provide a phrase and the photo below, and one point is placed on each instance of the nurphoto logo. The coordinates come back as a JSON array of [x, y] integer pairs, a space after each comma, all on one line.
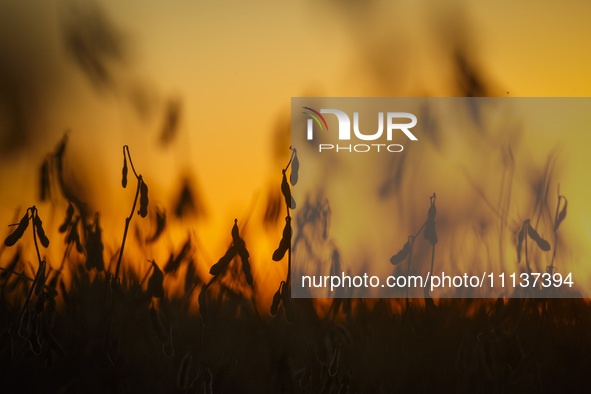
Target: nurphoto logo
[[344, 130]]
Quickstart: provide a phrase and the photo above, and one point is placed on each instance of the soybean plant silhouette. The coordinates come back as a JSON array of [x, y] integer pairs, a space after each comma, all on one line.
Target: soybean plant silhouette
[[88, 326]]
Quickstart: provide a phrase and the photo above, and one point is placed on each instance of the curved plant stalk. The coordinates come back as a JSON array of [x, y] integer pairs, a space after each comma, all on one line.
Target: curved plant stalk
[[141, 192]]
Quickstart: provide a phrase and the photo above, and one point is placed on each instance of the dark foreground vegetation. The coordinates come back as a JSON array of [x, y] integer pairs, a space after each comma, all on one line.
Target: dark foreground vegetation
[[103, 340], [109, 329]]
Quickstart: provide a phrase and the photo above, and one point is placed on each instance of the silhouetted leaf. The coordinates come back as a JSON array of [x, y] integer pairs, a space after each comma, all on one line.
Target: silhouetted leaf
[[295, 167], [173, 265], [223, 262], [187, 203], [155, 288], [20, 230], [40, 232], [94, 44], [143, 198], [401, 255]]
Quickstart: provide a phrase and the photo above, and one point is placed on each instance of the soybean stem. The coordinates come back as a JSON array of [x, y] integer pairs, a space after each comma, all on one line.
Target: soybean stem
[[127, 221]]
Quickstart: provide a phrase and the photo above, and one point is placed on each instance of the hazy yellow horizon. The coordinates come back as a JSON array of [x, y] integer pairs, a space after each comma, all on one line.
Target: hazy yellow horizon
[[234, 67]]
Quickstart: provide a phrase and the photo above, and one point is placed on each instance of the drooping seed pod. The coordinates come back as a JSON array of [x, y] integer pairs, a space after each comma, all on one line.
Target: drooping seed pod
[[542, 243], [286, 236], [280, 251], [561, 215], [143, 212], [285, 242], [235, 233], [276, 300], [40, 232], [245, 265], [155, 288], [432, 212], [223, 262], [242, 251], [295, 167], [20, 230], [429, 232], [124, 171], [285, 190], [40, 278], [69, 214], [401, 255]]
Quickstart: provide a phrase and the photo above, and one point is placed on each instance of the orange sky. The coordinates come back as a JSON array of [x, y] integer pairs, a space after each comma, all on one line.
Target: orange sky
[[235, 65]]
